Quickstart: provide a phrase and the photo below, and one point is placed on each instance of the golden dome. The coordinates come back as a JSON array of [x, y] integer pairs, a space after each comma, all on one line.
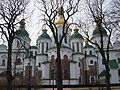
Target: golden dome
[[60, 19]]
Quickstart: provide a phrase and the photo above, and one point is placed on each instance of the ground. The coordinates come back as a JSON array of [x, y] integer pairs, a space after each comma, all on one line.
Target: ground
[[92, 88]]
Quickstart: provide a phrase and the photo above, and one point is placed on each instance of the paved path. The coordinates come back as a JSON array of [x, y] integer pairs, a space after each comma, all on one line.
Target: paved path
[[94, 88]]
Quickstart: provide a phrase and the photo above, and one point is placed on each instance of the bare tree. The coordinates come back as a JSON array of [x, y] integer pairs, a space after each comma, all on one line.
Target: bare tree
[[97, 11], [50, 9], [114, 14], [10, 10]]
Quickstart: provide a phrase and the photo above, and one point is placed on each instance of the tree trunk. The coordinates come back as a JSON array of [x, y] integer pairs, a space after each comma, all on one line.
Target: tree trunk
[[107, 78], [9, 76], [59, 69]]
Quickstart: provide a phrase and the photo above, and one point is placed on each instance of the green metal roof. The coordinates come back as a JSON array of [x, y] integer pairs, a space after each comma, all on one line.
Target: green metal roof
[[44, 35], [76, 34], [96, 32], [21, 31], [88, 46], [113, 64], [33, 47]]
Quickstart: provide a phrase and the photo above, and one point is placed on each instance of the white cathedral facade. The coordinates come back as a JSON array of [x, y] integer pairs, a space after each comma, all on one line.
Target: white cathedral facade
[[81, 63]]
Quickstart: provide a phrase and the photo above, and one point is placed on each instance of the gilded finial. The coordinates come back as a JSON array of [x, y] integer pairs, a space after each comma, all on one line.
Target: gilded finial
[[86, 41], [44, 28]]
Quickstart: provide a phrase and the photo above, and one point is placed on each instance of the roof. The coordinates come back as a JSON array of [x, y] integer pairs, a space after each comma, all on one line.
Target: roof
[[44, 35], [102, 74], [96, 31], [33, 47], [113, 64], [76, 34], [21, 31], [88, 46]]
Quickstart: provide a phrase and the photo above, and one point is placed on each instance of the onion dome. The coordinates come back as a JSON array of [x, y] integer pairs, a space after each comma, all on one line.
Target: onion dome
[[21, 31], [96, 32], [76, 35], [44, 35], [60, 19]]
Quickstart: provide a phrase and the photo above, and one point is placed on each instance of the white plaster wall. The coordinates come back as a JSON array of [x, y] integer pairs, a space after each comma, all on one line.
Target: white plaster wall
[[46, 71], [75, 44], [64, 51], [73, 70], [88, 61], [114, 76], [88, 51]]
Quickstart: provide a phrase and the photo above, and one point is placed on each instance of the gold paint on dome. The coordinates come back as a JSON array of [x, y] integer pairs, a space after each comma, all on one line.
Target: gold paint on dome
[[60, 19]]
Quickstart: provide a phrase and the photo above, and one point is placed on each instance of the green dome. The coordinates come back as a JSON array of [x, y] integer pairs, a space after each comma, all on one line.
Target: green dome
[[44, 35], [96, 32], [76, 35], [33, 47], [88, 46], [21, 31]]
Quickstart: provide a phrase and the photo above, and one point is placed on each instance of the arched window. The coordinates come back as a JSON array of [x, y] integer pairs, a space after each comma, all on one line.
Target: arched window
[[80, 80], [52, 57], [46, 46], [77, 46], [85, 53], [39, 64], [92, 79], [118, 60], [79, 64], [91, 62], [3, 62], [73, 47], [65, 57], [81, 47], [42, 47], [119, 72], [90, 52], [65, 39]]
